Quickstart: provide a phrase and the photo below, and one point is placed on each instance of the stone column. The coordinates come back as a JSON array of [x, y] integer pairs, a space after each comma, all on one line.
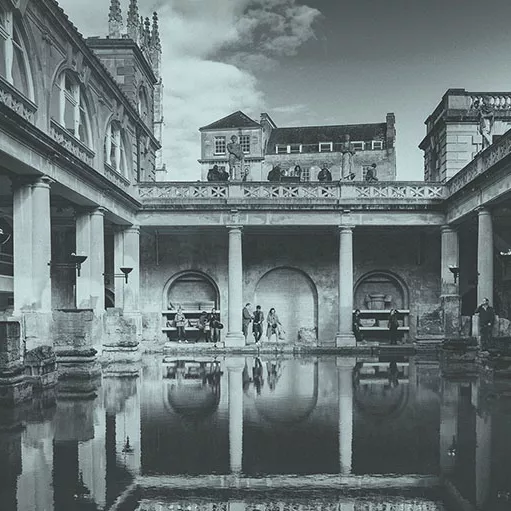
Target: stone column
[[131, 259], [235, 367], [484, 256], [450, 291], [345, 389], [90, 241], [345, 335], [41, 244], [22, 246], [234, 335]]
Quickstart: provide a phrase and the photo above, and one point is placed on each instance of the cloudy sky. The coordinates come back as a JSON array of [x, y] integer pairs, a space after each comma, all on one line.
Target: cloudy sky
[[310, 62]]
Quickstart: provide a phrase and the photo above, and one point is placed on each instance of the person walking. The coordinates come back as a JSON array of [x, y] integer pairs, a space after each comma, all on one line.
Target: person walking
[[486, 322], [273, 325], [257, 325], [247, 317], [393, 326]]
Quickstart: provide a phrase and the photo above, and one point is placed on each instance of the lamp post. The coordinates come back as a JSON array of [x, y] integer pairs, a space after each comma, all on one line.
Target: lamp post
[[455, 270], [75, 261], [125, 271]]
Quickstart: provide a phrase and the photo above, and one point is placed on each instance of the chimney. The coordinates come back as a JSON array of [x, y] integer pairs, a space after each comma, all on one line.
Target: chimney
[[390, 136]]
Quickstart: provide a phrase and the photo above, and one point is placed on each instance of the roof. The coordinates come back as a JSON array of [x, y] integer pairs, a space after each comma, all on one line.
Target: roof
[[314, 134], [236, 120]]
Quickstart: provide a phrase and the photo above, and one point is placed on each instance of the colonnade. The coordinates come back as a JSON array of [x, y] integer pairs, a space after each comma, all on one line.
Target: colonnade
[[32, 256]]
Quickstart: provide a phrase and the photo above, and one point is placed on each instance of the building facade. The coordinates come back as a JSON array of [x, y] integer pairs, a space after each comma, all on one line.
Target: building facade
[[348, 151], [86, 226]]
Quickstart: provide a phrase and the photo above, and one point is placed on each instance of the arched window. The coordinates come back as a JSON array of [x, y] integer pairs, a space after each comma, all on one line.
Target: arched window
[[115, 152], [14, 65], [69, 108]]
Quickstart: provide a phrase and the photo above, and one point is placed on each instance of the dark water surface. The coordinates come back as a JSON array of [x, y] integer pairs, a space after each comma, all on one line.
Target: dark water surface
[[270, 433]]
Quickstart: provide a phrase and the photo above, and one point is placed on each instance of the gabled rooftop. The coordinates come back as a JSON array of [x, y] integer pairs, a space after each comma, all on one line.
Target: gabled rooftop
[[235, 120]]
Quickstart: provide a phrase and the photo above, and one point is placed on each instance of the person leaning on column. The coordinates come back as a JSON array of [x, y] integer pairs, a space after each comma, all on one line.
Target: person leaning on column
[[486, 322]]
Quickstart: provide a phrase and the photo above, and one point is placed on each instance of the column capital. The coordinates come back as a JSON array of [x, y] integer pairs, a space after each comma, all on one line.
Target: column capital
[[345, 228], [100, 210], [236, 227], [482, 210], [18, 182], [448, 228], [133, 229]]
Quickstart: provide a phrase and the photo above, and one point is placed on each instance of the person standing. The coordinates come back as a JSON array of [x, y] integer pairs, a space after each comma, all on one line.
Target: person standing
[[214, 326], [324, 174], [356, 326], [257, 325], [393, 326], [274, 325], [486, 322], [203, 327], [247, 317], [180, 322]]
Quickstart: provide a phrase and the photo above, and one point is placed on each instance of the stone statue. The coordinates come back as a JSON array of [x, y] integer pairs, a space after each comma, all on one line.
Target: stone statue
[[486, 120], [235, 159], [347, 159]]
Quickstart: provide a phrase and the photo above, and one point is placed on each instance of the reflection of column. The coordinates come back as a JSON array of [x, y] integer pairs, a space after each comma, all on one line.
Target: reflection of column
[[345, 389], [345, 335], [450, 290], [448, 426], [234, 335], [66, 475], [90, 287], [10, 465], [483, 451], [235, 368], [484, 256], [35, 487]]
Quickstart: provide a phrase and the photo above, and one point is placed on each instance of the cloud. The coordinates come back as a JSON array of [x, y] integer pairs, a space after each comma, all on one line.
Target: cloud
[[212, 52]]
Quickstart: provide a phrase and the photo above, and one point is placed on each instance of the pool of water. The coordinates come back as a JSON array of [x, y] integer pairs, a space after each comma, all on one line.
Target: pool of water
[[190, 432]]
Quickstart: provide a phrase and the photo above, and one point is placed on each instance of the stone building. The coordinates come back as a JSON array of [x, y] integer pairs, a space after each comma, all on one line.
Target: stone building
[[346, 150], [85, 226]]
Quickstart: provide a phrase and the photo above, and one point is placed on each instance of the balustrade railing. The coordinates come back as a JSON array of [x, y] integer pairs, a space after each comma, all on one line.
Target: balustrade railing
[[497, 101], [301, 192], [481, 163], [71, 143], [14, 100]]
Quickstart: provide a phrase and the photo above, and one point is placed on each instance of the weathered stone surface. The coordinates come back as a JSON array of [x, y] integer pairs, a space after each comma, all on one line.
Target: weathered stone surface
[[72, 329], [307, 336], [41, 367]]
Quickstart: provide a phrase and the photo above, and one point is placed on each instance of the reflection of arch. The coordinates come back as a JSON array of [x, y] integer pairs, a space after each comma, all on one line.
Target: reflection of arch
[[384, 283], [293, 294], [289, 407], [192, 400], [195, 286]]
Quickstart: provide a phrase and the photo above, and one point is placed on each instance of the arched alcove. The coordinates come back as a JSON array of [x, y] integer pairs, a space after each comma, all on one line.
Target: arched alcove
[[293, 295], [191, 289], [380, 290]]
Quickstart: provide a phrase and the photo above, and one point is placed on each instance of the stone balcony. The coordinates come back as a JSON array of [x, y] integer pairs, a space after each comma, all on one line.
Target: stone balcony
[[307, 194], [13, 99]]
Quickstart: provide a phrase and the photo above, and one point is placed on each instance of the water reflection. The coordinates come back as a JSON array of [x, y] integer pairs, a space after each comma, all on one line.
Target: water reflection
[[180, 419]]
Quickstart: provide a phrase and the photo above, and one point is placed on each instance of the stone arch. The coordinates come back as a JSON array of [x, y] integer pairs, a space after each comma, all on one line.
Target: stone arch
[[293, 294], [191, 281], [391, 287]]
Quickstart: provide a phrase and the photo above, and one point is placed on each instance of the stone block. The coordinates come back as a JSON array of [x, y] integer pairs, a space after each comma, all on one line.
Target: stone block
[[10, 345], [73, 328], [41, 367], [451, 315], [13, 387]]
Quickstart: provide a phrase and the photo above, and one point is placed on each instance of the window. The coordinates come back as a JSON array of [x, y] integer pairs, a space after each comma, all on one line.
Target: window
[[295, 148], [358, 146], [219, 145], [115, 154], [325, 147], [245, 143], [69, 109], [281, 149], [306, 174], [14, 65], [377, 144]]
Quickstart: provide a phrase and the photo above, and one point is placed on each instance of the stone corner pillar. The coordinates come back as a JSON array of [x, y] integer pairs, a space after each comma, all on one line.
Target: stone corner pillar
[[450, 298], [234, 337], [484, 255], [345, 335]]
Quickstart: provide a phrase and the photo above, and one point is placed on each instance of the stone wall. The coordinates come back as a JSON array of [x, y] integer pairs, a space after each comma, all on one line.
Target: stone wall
[[410, 254]]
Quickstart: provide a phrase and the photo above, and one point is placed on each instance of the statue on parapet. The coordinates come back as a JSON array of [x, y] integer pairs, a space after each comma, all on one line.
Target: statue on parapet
[[486, 116], [236, 158], [347, 151]]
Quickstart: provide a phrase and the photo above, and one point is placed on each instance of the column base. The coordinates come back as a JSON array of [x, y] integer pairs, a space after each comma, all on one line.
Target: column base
[[342, 340], [234, 340]]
